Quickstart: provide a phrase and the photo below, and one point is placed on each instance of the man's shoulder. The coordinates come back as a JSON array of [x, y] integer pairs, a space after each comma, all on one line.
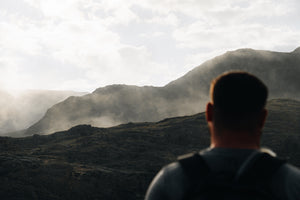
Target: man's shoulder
[[170, 183], [290, 170], [174, 175], [287, 182]]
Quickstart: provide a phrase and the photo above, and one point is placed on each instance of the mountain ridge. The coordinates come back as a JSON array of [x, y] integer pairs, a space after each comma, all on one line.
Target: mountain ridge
[[116, 104], [297, 50]]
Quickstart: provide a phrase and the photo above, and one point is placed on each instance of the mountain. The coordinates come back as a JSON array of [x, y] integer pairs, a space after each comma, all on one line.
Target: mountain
[[187, 95], [21, 110], [86, 162]]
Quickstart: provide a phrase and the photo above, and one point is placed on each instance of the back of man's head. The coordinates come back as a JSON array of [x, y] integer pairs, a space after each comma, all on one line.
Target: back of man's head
[[238, 100]]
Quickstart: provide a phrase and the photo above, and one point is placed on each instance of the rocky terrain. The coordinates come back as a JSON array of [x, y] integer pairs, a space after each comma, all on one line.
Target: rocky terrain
[[86, 162], [187, 95]]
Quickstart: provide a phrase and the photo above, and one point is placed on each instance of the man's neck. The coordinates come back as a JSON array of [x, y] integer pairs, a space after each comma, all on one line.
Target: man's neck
[[237, 140]]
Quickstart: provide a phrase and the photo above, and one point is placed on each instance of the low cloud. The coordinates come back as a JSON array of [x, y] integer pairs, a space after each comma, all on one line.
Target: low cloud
[[21, 109]]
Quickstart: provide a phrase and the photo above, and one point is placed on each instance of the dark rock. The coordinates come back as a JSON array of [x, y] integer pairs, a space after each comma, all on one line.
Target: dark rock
[[86, 162]]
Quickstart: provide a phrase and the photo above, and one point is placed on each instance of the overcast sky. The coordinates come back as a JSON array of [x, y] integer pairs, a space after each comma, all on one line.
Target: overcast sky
[[85, 44]]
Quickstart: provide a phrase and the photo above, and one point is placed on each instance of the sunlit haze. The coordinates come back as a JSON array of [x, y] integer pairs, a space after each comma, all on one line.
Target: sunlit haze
[[81, 45]]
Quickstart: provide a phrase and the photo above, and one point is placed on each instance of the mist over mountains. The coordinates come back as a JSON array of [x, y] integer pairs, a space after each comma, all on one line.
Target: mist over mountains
[[116, 104], [19, 111], [86, 162]]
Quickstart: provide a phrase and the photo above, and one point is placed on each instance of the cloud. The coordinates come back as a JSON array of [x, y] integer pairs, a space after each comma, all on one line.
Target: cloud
[[132, 65], [212, 23], [232, 37], [194, 60], [89, 43], [168, 20], [208, 9], [81, 84]]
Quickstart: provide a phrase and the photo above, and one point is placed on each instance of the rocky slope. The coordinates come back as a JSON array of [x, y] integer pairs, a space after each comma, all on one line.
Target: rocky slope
[[119, 162], [187, 95]]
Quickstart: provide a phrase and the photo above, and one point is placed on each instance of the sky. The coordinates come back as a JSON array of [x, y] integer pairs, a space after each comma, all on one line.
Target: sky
[[82, 45]]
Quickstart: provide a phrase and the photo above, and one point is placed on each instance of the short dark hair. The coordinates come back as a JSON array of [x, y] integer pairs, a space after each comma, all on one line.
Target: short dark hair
[[238, 99]]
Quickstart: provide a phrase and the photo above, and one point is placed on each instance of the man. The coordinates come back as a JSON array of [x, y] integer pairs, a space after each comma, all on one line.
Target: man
[[235, 117]]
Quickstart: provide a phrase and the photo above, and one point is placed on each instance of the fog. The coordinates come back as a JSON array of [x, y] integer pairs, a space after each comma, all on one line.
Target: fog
[[116, 104], [21, 109]]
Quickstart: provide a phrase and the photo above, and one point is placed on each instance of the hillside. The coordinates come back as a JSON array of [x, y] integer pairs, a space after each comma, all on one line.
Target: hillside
[[21, 110], [119, 162], [187, 95]]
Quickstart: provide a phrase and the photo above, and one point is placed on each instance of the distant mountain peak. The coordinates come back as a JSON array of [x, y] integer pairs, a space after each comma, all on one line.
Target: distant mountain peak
[[243, 50], [112, 88]]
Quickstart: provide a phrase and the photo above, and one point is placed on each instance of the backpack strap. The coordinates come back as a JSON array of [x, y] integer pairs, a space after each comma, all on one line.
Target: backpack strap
[[194, 166], [258, 168], [255, 173], [196, 169]]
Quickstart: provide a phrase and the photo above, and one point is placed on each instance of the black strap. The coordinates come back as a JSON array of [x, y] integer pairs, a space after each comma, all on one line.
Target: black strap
[[194, 166], [197, 171], [257, 170]]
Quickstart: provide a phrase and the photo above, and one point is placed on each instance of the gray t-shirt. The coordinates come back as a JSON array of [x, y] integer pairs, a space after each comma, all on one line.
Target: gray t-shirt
[[171, 183]]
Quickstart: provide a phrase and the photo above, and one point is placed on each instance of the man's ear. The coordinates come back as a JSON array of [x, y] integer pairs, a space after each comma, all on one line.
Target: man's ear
[[209, 112], [263, 118]]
